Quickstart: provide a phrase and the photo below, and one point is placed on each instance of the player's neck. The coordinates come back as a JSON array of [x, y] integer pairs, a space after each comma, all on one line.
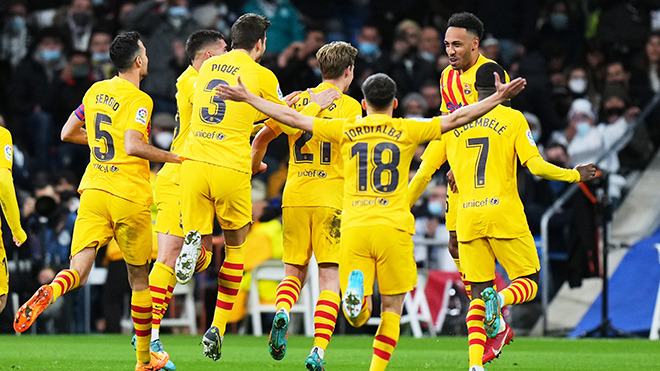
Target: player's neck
[[197, 63], [341, 84], [472, 63], [388, 112], [132, 76], [254, 54]]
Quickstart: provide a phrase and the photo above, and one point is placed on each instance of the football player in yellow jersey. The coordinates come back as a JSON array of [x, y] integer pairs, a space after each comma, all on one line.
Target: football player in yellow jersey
[[464, 32], [311, 205], [115, 191], [376, 224], [9, 207], [491, 222], [217, 162], [200, 46]]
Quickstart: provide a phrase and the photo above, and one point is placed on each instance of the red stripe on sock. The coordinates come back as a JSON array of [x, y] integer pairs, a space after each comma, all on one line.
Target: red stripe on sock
[[328, 303], [156, 322], [229, 277], [477, 342], [382, 354], [141, 321], [475, 317], [228, 291], [324, 326], [325, 315], [60, 284], [478, 307], [283, 285], [386, 339], [528, 290], [142, 333], [237, 266], [65, 277], [476, 330], [291, 294], [516, 294], [283, 299], [224, 305], [137, 309], [322, 336], [158, 301], [157, 289]]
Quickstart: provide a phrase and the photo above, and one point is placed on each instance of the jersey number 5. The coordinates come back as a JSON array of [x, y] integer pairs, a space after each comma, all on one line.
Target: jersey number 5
[[483, 145], [106, 150], [219, 104], [385, 175]]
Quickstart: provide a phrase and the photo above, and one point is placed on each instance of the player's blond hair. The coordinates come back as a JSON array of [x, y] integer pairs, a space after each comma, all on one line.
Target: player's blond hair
[[335, 57]]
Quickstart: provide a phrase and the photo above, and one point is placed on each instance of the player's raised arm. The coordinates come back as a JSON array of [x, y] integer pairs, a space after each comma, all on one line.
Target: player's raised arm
[[473, 111], [136, 147]]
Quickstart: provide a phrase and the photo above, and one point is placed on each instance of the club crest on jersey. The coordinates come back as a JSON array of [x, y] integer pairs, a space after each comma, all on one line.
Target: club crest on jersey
[[530, 137], [8, 152], [467, 89], [141, 115]]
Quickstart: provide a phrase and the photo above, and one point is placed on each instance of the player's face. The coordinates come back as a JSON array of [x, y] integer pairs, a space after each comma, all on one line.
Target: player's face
[[460, 46], [218, 48], [145, 61]]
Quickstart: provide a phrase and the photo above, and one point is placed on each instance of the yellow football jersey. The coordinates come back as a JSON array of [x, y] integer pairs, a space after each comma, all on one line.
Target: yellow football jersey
[[377, 151], [185, 91], [483, 156], [7, 159], [316, 174], [220, 130], [457, 90], [111, 108]]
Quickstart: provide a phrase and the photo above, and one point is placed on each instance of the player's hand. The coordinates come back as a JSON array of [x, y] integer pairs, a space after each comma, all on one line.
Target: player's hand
[[510, 90], [324, 98], [292, 98], [238, 93], [587, 172], [451, 181], [17, 242]]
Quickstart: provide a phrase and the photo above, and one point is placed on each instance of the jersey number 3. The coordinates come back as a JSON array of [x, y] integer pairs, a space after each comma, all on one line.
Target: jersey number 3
[[219, 104], [385, 175]]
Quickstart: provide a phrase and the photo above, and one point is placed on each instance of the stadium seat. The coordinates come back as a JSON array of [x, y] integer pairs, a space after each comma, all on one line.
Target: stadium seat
[[274, 270], [188, 316]]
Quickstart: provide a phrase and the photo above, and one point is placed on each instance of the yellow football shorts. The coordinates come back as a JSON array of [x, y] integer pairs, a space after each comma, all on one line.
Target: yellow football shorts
[[307, 229], [378, 251], [4, 270], [102, 216], [168, 201], [210, 190], [517, 256]]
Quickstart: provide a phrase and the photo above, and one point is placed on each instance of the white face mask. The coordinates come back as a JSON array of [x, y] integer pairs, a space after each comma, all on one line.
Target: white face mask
[[163, 139], [582, 128], [577, 85]]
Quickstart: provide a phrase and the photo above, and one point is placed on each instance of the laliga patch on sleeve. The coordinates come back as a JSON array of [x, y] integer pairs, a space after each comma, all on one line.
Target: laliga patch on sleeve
[[8, 152], [279, 93], [141, 115], [531, 138]]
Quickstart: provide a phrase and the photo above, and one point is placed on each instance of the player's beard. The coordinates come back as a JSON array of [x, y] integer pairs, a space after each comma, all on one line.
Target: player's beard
[[144, 73]]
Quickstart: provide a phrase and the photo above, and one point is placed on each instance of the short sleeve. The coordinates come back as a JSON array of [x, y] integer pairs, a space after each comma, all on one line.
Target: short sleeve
[[524, 144], [424, 130], [139, 118], [435, 153], [8, 150], [328, 130]]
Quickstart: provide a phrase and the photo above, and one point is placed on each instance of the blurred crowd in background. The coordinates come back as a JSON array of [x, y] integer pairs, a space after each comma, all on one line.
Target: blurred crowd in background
[[590, 65]]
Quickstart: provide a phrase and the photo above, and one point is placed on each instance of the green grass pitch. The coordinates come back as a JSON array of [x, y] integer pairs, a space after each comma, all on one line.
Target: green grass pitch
[[114, 352]]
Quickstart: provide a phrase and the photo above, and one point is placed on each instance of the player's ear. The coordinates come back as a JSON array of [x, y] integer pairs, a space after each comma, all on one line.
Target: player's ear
[[138, 61], [395, 103], [364, 104]]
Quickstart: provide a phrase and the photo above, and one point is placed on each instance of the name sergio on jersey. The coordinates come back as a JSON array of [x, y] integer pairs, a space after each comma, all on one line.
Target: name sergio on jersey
[[484, 122], [352, 134], [209, 135], [107, 100]]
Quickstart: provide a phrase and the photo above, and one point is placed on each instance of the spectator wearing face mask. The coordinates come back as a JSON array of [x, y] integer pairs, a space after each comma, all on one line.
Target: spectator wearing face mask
[[36, 99], [579, 86], [99, 49], [370, 58], [75, 23], [15, 35]]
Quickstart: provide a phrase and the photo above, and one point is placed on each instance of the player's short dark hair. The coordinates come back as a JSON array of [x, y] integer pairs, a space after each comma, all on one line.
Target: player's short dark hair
[[247, 30], [379, 90], [335, 57], [485, 79], [200, 40], [124, 49], [468, 21]]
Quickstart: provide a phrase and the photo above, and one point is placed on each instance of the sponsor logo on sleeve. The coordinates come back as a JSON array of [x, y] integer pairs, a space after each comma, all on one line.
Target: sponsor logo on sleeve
[[141, 115], [9, 152], [279, 93], [530, 137]]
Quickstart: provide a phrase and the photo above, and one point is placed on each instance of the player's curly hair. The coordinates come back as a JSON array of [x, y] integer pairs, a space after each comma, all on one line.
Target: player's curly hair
[[335, 57], [247, 30], [379, 90], [124, 49], [201, 39], [468, 21]]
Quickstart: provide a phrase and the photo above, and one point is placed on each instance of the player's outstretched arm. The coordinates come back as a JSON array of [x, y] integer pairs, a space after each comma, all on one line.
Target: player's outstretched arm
[[419, 182], [587, 172], [541, 168], [473, 111], [10, 206], [279, 112], [259, 147], [134, 146], [73, 130]]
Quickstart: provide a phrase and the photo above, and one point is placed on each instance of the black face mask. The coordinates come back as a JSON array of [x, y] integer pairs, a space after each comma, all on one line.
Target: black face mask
[[614, 112], [81, 19]]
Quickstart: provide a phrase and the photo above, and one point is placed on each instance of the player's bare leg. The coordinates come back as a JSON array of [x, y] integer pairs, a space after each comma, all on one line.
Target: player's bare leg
[[229, 281], [388, 331]]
